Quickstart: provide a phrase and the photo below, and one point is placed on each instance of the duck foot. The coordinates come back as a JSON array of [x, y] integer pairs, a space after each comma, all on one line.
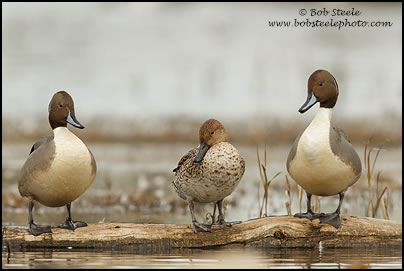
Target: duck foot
[[309, 214], [72, 225], [332, 219], [221, 221], [220, 218], [199, 227], [38, 230]]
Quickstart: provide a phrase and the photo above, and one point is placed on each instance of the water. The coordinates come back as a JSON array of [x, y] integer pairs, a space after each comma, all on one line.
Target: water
[[133, 183], [212, 258]]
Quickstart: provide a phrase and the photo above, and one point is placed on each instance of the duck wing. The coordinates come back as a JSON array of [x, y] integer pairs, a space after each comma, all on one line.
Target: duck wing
[[186, 158], [41, 141], [342, 147]]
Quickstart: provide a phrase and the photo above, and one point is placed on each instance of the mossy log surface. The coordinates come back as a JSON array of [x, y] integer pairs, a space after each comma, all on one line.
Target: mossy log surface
[[268, 232]]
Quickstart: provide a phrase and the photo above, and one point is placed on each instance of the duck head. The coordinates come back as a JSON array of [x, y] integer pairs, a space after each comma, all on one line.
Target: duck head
[[210, 133], [61, 111], [322, 88]]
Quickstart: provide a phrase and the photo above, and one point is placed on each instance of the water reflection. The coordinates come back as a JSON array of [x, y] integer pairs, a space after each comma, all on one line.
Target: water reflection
[[212, 258]]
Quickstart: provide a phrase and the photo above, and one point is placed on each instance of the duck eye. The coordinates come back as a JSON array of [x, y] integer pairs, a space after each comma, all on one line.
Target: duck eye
[[212, 132], [321, 84], [60, 105]]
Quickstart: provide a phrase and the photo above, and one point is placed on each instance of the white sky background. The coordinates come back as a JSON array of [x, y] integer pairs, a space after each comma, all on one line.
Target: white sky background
[[148, 60]]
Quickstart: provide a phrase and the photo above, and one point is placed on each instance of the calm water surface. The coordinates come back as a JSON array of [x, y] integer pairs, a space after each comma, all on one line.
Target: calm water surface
[[213, 258]]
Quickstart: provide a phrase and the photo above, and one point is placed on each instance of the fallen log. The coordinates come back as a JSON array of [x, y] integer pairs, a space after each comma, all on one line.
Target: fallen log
[[268, 232]]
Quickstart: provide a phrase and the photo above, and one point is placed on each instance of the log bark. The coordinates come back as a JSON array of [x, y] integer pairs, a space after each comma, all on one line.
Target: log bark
[[269, 232]]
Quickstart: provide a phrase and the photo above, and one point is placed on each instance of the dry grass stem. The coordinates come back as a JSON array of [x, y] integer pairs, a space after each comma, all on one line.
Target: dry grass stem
[[317, 208], [288, 193], [300, 189], [385, 204], [373, 205], [379, 199], [259, 204], [265, 183]]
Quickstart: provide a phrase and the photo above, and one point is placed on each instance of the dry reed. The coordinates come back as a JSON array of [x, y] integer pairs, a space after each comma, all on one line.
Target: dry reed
[[373, 205], [300, 195], [262, 167], [288, 192]]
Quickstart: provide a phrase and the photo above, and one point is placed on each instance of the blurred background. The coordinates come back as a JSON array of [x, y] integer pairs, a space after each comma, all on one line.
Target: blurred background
[[144, 77]]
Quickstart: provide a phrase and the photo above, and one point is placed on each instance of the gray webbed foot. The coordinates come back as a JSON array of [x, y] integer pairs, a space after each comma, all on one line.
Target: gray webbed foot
[[38, 230], [72, 225], [69, 223], [220, 218], [309, 214], [220, 221], [199, 227], [332, 219]]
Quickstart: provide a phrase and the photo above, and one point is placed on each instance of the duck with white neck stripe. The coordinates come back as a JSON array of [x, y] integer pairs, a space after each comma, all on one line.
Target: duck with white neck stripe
[[322, 160], [59, 168]]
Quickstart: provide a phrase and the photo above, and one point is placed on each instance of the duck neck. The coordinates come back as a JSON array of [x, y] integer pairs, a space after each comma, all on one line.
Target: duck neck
[[321, 123], [323, 115], [61, 131]]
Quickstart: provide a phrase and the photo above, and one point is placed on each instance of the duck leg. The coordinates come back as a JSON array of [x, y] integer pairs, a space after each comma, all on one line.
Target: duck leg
[[32, 227], [196, 226], [220, 218], [334, 218], [309, 214], [214, 213], [69, 223]]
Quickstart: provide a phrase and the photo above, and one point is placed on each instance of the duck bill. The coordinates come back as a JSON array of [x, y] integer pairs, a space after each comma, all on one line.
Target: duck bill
[[203, 148], [71, 118], [311, 100]]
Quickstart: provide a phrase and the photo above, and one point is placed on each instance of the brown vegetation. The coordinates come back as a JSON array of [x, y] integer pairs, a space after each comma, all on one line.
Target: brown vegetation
[[257, 130], [375, 197]]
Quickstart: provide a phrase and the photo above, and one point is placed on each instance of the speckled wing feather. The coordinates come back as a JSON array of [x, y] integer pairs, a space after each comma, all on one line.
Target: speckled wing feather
[[212, 179], [181, 172], [189, 156]]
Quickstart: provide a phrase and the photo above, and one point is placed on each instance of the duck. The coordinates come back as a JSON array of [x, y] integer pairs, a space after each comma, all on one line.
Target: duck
[[322, 160], [59, 167], [209, 172]]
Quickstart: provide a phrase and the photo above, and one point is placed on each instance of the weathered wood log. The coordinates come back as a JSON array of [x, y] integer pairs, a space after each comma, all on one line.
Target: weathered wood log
[[269, 232]]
